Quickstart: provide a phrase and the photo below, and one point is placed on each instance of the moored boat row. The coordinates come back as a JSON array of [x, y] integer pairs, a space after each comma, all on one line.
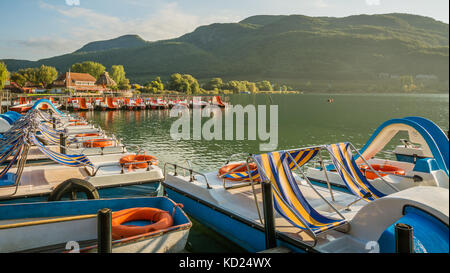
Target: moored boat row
[[111, 103], [23, 105]]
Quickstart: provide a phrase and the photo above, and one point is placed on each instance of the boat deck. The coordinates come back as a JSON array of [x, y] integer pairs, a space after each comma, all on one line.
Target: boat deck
[[41, 179]]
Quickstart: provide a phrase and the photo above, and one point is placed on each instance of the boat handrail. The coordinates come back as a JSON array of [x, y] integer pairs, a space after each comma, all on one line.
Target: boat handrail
[[233, 155], [122, 165], [118, 143], [240, 185], [372, 169], [305, 177], [356, 150], [190, 170]]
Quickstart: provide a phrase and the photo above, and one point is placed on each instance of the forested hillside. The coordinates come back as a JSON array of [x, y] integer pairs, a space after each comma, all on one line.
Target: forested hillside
[[362, 52]]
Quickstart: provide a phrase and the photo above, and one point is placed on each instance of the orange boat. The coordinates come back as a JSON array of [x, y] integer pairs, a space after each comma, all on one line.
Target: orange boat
[[111, 104], [23, 106]]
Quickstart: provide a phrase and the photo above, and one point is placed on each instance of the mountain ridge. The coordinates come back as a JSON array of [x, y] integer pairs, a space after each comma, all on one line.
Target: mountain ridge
[[280, 46]]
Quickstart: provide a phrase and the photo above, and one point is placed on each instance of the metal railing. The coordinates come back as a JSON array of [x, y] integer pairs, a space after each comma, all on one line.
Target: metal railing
[[192, 173]]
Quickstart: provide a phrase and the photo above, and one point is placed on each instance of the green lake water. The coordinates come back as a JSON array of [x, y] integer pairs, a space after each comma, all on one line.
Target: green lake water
[[303, 120]]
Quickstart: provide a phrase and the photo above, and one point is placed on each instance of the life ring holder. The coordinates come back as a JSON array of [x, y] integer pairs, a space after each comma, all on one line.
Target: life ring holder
[[98, 143], [88, 135], [383, 170], [233, 168], [161, 220], [137, 163]]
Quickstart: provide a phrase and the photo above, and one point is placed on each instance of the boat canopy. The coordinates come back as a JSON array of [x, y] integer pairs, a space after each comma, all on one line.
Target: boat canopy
[[424, 132], [49, 103]]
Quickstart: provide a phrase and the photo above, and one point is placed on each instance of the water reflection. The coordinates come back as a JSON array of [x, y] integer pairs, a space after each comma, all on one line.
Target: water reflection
[[304, 120]]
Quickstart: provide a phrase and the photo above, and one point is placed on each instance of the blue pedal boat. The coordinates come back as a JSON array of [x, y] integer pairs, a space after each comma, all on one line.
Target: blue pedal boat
[[69, 226]]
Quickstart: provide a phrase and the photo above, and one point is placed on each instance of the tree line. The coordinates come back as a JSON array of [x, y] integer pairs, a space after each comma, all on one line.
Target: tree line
[[44, 76], [184, 83], [188, 84], [4, 74]]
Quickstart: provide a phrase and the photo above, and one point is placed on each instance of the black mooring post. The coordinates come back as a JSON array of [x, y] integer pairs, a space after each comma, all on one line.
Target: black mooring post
[[269, 218], [104, 235], [54, 123], [404, 242], [62, 143]]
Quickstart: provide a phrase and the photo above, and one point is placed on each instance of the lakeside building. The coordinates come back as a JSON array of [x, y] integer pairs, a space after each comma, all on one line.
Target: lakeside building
[[79, 82], [15, 88]]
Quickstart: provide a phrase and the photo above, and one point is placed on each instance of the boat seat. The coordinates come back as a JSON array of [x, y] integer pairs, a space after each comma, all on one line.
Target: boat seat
[[38, 178], [348, 170], [289, 200]]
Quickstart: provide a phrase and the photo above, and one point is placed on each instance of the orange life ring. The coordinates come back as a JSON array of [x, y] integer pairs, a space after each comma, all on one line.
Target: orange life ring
[[98, 143], [78, 123], [161, 219], [243, 168], [381, 168], [138, 158], [86, 135]]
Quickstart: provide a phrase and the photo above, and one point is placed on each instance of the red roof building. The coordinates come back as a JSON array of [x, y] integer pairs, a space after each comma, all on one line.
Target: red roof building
[[15, 88], [77, 82]]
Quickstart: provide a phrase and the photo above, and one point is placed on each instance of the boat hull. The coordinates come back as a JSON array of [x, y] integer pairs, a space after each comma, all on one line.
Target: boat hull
[[235, 228], [140, 189], [55, 226]]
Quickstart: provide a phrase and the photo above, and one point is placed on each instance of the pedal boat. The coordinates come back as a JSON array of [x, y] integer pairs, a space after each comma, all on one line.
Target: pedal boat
[[104, 174], [422, 160], [306, 217]]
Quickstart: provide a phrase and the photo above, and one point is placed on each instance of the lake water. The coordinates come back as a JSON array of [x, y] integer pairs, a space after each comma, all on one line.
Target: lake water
[[303, 120]]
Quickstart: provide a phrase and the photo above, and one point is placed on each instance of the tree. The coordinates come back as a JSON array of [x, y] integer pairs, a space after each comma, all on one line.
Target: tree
[[194, 86], [18, 78], [118, 73], [214, 83], [407, 83], [251, 87], [264, 86], [124, 85], [236, 86], [119, 76], [154, 86], [4, 74], [30, 74], [92, 68], [46, 75], [184, 83]]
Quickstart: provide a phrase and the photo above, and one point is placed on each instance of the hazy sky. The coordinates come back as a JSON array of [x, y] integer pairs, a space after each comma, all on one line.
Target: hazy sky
[[38, 29]]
